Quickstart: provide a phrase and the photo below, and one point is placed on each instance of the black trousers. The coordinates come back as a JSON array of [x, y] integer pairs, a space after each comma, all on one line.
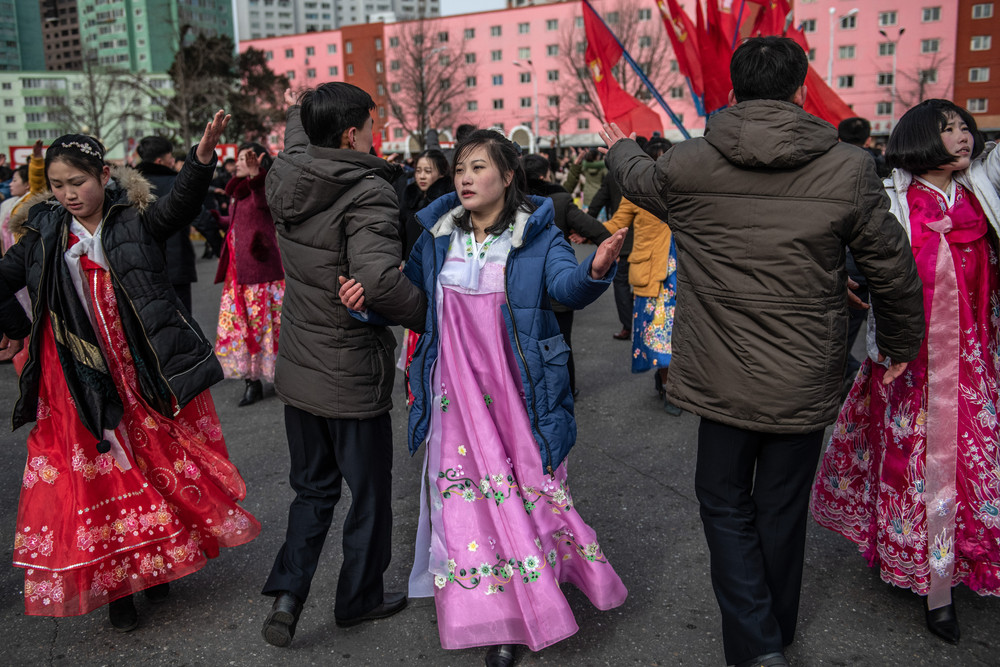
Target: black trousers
[[324, 452], [623, 294], [754, 493]]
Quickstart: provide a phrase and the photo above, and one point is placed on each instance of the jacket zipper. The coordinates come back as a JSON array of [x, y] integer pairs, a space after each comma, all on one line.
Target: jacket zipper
[[520, 353], [34, 321]]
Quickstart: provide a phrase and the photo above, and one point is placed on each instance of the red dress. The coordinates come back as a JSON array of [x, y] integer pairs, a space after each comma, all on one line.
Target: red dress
[[89, 531]]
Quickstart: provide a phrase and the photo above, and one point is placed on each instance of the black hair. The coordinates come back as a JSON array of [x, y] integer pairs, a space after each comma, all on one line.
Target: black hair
[[854, 131], [657, 146], [77, 150], [768, 68], [463, 131], [22, 171], [535, 167], [151, 148], [642, 141], [229, 160], [262, 153], [331, 109], [504, 156], [593, 155], [438, 159], [915, 143]]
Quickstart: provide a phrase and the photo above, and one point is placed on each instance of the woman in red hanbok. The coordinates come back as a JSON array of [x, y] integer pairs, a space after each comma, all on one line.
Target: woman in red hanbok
[[128, 485], [912, 472]]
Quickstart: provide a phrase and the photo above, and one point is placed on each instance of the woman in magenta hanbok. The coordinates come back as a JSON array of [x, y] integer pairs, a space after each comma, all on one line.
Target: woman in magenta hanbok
[[499, 531], [912, 472]]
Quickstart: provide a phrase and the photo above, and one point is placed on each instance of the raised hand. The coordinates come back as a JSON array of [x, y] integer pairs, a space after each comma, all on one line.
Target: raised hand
[[213, 132], [38, 149], [290, 97], [252, 161], [612, 134], [352, 294], [606, 254]]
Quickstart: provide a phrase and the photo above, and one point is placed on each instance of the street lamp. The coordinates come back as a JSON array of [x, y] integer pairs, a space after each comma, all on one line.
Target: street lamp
[[894, 49], [829, 60], [534, 82]]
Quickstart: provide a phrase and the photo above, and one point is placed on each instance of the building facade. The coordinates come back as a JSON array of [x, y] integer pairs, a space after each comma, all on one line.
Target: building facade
[[20, 48], [259, 19], [60, 35], [977, 86]]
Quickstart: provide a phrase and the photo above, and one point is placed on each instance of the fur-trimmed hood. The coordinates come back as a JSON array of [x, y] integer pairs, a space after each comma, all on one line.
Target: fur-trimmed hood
[[126, 186]]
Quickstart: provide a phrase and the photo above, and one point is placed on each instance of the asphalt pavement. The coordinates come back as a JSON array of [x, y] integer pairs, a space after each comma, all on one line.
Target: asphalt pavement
[[632, 477]]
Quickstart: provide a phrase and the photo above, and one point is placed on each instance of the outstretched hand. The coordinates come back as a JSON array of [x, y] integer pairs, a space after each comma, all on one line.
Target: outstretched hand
[[352, 294], [612, 134], [290, 97], [213, 132], [606, 254]]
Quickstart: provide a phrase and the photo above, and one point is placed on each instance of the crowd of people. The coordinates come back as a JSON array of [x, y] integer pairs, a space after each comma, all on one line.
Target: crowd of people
[[733, 258]]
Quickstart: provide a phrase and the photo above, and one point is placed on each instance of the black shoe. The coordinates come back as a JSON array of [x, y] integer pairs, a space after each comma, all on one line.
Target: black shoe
[[943, 622], [392, 603], [501, 656], [279, 626], [767, 660], [122, 614], [624, 334], [658, 384], [158, 593], [254, 392]]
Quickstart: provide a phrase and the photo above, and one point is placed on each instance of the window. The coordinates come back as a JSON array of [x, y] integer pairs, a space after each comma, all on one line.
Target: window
[[393, 42], [498, 104], [379, 67], [495, 31], [397, 133], [676, 92], [673, 66], [812, 55], [583, 123], [444, 84], [524, 53], [645, 41], [979, 74], [981, 43], [930, 45], [928, 76], [394, 65], [444, 60], [470, 58], [470, 33], [553, 126], [10, 120], [886, 18], [310, 51], [525, 77], [523, 28], [525, 102], [290, 75], [498, 79], [380, 90], [310, 73], [470, 82], [581, 47], [845, 81], [883, 109], [931, 14], [446, 107], [645, 14], [583, 98], [849, 22], [442, 37], [348, 47], [394, 87], [809, 25], [472, 106], [613, 18], [350, 69], [378, 43], [578, 22], [552, 50], [982, 11], [496, 55], [289, 53], [331, 48], [974, 105], [381, 112], [552, 75], [845, 52], [334, 70], [885, 78], [553, 100], [886, 48], [552, 24], [269, 55]]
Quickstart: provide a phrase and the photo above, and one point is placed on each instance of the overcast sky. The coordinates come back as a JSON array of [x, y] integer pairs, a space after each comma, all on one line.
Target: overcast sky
[[449, 7]]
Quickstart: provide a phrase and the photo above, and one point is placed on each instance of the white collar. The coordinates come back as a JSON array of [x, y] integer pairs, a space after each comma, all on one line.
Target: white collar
[[949, 196]]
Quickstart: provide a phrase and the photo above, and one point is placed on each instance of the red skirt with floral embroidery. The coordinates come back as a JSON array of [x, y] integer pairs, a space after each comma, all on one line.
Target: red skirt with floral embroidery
[[89, 529]]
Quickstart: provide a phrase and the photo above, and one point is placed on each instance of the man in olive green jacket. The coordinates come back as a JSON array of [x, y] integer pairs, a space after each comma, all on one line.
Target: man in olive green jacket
[[336, 214], [761, 209]]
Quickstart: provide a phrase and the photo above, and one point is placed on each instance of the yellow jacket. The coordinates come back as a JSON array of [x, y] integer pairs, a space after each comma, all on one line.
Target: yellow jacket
[[647, 263], [36, 181]]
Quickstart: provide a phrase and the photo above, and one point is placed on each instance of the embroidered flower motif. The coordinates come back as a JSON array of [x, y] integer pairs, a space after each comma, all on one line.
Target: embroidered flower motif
[[485, 569], [444, 403], [440, 581], [532, 563], [461, 450], [473, 546], [488, 399]]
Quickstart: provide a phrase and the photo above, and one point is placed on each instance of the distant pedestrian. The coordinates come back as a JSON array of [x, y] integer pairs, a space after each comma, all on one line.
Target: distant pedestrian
[[250, 266], [911, 473], [761, 208], [128, 484], [498, 529]]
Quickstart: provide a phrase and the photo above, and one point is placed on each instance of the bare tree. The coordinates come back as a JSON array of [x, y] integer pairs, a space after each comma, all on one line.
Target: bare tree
[[203, 77], [427, 79], [917, 83], [644, 39]]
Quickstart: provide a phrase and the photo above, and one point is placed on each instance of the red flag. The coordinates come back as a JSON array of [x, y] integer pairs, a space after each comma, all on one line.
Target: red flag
[[603, 51], [723, 17], [715, 53], [683, 38]]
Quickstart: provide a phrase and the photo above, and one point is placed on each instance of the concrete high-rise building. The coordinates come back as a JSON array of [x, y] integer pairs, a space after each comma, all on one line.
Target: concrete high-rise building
[[977, 86], [20, 48], [258, 19], [60, 34]]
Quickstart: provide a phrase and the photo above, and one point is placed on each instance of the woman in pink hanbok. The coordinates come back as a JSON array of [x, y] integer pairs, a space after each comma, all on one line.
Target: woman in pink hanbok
[[499, 530], [912, 472]]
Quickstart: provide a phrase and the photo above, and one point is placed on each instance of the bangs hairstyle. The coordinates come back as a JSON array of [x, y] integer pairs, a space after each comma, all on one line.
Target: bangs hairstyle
[[768, 68], [915, 143], [265, 157], [77, 150], [331, 109], [505, 156], [535, 166], [151, 148], [437, 159]]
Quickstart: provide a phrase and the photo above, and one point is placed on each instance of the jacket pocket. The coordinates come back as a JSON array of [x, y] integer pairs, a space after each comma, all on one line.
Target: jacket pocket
[[554, 354], [640, 267]]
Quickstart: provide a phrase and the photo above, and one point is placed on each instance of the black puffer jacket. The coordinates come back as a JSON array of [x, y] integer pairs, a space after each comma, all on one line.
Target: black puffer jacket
[[176, 362]]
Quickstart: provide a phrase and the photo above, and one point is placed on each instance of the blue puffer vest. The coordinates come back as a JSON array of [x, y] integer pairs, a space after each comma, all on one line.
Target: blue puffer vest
[[540, 263]]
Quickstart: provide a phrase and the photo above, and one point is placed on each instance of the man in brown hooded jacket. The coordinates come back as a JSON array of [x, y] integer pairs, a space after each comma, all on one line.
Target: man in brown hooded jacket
[[761, 209]]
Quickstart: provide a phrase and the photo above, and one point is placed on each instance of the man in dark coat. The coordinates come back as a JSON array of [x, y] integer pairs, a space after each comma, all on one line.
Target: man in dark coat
[[157, 167], [761, 209]]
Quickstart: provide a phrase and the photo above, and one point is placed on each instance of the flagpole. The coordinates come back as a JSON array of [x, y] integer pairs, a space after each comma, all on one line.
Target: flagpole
[[642, 76], [739, 20]]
